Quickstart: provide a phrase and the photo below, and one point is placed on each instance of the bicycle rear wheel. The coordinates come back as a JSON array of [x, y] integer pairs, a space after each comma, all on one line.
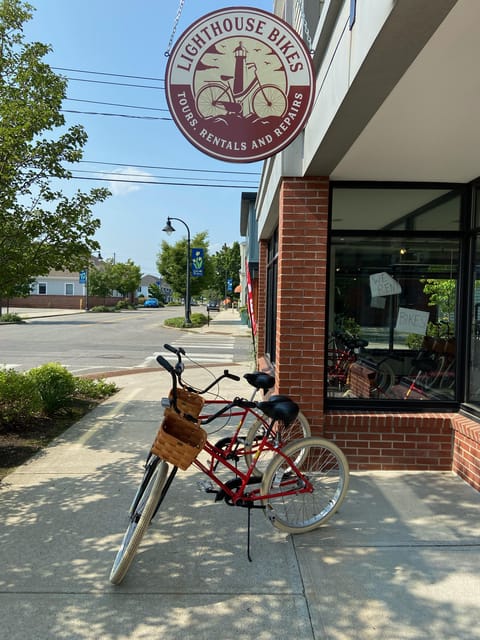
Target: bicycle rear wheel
[[142, 510], [325, 467], [299, 428]]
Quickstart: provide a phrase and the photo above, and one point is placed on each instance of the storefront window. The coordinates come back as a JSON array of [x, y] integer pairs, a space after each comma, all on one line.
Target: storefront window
[[393, 296], [271, 310]]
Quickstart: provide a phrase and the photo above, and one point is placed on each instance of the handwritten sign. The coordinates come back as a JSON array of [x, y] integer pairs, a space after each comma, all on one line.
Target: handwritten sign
[[412, 321], [382, 284]]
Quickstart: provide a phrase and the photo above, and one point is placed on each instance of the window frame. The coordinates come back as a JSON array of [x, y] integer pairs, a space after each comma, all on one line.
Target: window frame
[[464, 237]]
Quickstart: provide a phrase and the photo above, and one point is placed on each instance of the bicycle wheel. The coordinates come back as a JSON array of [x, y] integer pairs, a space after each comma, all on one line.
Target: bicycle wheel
[[282, 435], [269, 100], [209, 101], [325, 467], [143, 508], [385, 378]]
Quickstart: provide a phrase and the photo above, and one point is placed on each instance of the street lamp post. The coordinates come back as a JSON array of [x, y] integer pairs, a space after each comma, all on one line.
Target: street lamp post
[[169, 229]]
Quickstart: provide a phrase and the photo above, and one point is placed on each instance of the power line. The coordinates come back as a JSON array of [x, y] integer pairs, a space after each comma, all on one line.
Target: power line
[[103, 73], [174, 184], [152, 166], [116, 115], [120, 84], [106, 173], [116, 104]]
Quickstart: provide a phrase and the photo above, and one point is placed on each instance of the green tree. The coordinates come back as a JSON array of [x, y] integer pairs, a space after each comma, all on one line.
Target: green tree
[[40, 227], [154, 291], [124, 277], [172, 264], [99, 282], [226, 266]]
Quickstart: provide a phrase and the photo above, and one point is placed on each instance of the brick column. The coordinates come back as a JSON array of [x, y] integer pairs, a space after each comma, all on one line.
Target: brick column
[[302, 286], [261, 302]]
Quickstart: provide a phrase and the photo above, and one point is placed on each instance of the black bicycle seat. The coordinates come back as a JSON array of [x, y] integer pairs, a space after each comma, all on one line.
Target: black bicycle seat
[[285, 411], [260, 380]]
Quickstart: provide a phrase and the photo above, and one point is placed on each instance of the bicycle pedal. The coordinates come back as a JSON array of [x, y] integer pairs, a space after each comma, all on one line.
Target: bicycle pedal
[[206, 486]]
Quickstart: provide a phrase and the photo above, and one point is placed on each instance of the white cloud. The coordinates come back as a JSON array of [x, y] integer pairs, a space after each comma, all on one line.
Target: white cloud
[[132, 176]]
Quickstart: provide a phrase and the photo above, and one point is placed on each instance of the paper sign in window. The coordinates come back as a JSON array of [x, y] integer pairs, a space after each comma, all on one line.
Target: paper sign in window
[[412, 321], [382, 284]]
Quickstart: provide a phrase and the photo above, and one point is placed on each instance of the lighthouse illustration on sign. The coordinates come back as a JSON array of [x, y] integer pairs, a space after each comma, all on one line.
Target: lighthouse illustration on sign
[[219, 93]]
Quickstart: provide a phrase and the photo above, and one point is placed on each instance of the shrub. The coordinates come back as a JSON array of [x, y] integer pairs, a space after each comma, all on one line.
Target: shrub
[[95, 389], [124, 304], [196, 320], [102, 308], [55, 385], [11, 317], [19, 398]]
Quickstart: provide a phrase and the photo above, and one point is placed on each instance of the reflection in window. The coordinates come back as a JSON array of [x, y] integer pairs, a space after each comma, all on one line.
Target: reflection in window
[[393, 320], [474, 385], [271, 310]]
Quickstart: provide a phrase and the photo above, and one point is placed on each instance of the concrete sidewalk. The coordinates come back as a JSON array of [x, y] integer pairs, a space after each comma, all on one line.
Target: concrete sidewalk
[[399, 561]]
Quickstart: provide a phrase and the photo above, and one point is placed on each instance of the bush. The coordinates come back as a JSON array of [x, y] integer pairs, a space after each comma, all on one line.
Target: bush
[[124, 304], [55, 385], [94, 389], [19, 398], [197, 320], [102, 308], [11, 317]]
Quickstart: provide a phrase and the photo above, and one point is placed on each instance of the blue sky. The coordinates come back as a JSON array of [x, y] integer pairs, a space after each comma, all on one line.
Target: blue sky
[[130, 39]]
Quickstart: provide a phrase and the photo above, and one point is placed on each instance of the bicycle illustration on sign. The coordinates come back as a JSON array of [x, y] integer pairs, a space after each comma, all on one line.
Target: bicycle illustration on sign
[[232, 94]]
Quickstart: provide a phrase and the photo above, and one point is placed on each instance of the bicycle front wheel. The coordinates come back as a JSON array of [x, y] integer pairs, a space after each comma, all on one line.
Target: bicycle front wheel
[[281, 434], [143, 509], [325, 467]]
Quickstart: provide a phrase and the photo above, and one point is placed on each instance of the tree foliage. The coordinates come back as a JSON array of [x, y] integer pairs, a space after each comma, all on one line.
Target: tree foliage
[[172, 264], [41, 228], [226, 266], [109, 276]]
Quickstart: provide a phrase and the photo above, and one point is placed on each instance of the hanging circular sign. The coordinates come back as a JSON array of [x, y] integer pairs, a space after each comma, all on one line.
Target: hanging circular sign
[[240, 84]]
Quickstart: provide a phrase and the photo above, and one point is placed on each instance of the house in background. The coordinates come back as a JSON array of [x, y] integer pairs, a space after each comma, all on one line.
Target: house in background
[[164, 287]]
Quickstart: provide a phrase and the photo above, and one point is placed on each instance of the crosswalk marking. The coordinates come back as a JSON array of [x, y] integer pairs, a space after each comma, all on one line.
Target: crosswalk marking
[[205, 349]]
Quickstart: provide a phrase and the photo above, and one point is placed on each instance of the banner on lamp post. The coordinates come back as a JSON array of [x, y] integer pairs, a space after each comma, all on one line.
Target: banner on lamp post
[[198, 263]]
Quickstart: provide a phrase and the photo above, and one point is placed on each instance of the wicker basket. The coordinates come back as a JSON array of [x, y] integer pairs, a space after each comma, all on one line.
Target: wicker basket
[[188, 403], [178, 440]]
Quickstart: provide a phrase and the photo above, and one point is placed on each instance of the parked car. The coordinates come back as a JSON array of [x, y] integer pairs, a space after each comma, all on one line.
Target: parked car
[[213, 305], [151, 302]]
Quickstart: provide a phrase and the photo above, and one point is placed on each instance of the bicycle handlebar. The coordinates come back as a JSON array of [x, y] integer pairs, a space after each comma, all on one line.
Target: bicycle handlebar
[[176, 350], [165, 364]]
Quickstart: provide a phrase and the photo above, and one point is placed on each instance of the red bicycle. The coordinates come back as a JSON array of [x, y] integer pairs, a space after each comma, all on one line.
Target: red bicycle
[[301, 487]]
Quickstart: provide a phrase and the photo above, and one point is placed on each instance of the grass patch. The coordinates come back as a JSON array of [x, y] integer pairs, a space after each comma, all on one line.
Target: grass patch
[[197, 320], [38, 406], [20, 442]]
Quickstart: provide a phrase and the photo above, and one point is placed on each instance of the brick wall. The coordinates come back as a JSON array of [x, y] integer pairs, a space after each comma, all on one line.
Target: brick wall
[[466, 449], [301, 311], [58, 302], [410, 441], [261, 298]]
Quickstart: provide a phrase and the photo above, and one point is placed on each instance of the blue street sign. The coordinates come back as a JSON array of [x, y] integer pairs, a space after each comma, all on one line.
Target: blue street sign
[[82, 277], [229, 285]]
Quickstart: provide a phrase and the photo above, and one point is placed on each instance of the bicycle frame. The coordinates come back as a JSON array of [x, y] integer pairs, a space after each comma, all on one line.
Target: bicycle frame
[[217, 455], [240, 497]]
